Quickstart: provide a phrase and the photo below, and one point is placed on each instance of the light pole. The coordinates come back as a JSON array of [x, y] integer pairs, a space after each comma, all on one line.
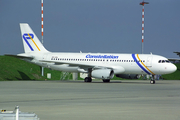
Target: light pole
[[143, 3], [42, 71]]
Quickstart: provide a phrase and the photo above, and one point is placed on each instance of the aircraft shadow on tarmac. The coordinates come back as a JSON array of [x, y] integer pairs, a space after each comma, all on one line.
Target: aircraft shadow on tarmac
[[111, 82]]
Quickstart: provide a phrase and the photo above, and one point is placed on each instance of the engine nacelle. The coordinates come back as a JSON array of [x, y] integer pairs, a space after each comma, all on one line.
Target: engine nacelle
[[128, 76], [102, 73]]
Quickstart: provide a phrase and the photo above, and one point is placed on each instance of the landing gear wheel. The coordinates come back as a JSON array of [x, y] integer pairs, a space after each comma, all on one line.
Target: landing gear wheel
[[88, 79], [152, 81], [106, 80]]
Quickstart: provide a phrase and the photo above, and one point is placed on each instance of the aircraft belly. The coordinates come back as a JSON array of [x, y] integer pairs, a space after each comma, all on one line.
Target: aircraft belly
[[134, 70]]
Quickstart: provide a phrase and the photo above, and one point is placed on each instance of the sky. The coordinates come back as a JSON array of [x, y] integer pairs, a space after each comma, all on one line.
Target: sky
[[97, 26]]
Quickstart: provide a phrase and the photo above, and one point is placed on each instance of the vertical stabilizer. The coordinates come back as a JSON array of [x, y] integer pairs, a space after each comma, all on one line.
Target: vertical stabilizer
[[30, 41]]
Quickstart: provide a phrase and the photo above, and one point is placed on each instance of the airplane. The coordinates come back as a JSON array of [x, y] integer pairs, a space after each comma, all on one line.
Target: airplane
[[178, 53], [97, 65], [175, 59]]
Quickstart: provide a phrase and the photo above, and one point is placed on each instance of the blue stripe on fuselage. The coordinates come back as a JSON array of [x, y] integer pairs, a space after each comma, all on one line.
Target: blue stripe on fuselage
[[138, 63]]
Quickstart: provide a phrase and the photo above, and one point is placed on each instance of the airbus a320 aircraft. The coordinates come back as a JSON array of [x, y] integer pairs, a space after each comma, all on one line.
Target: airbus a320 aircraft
[[97, 65]]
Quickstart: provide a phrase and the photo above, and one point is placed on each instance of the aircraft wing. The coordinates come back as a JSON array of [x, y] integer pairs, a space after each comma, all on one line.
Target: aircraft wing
[[72, 64], [84, 66]]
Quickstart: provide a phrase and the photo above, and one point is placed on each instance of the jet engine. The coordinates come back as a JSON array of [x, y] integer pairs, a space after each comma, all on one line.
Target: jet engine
[[128, 76], [102, 73]]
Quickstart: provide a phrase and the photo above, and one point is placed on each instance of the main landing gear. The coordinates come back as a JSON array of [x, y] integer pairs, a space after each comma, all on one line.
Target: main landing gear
[[106, 80], [88, 79]]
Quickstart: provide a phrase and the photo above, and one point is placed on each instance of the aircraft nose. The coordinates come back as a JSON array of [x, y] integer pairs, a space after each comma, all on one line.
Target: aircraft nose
[[172, 68]]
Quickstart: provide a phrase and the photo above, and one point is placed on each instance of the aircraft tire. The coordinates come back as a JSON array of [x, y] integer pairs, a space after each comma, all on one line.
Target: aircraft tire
[[106, 80], [88, 79], [152, 81]]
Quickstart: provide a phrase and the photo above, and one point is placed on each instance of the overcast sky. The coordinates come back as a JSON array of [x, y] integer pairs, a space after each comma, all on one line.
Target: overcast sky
[[107, 26]]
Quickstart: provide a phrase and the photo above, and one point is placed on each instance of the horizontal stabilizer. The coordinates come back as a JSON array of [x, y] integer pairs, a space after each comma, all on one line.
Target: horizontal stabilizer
[[20, 56]]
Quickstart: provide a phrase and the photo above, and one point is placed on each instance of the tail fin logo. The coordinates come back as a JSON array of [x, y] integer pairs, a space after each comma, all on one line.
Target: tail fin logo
[[29, 36]]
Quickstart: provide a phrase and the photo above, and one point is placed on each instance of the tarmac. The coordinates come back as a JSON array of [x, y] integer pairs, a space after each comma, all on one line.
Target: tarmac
[[76, 100]]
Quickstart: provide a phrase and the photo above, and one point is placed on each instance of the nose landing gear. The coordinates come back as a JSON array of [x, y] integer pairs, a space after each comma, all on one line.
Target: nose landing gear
[[152, 80]]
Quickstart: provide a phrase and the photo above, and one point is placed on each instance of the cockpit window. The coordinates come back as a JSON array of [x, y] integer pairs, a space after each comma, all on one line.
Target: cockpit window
[[167, 61], [163, 61]]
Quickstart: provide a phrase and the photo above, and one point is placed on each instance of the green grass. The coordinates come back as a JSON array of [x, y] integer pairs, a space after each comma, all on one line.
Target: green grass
[[15, 69]]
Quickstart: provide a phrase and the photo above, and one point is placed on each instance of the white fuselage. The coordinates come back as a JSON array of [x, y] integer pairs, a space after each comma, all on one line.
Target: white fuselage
[[120, 63]]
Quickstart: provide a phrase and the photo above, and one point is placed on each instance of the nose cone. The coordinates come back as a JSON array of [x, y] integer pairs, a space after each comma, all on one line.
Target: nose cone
[[174, 68], [171, 68]]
